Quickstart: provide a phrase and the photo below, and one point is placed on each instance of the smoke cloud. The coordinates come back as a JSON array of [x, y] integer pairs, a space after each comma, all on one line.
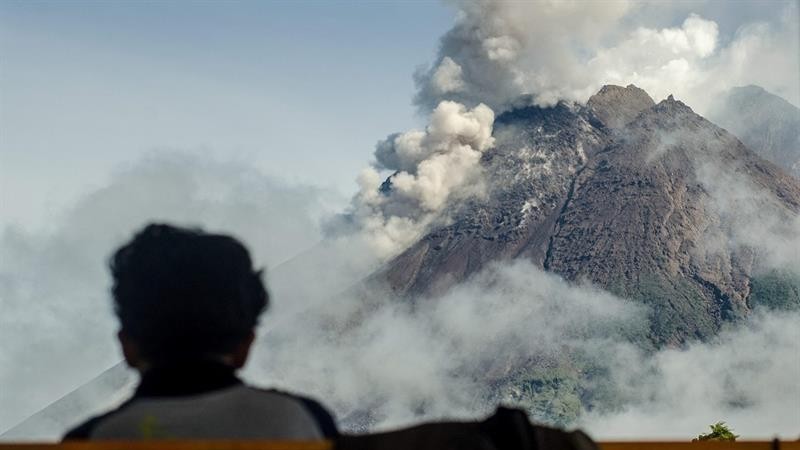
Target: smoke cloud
[[498, 52], [500, 55], [432, 170]]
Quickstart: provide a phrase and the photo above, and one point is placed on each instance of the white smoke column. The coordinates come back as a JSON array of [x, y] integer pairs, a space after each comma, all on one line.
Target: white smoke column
[[432, 168], [549, 51], [498, 51]]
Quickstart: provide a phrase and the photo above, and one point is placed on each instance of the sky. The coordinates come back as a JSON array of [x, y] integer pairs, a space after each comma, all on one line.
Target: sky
[[302, 90]]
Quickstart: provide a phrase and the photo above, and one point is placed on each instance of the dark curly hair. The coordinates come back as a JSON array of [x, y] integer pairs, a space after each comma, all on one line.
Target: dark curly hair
[[185, 294]]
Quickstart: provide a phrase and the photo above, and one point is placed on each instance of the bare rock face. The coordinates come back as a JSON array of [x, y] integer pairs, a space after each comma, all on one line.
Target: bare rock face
[[531, 170], [643, 211], [616, 106], [623, 193]]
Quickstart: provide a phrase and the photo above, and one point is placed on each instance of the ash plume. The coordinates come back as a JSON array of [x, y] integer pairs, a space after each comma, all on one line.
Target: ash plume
[[431, 169], [503, 55], [498, 52]]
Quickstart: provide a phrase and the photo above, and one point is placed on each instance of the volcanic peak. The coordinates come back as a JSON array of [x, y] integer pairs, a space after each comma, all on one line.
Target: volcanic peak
[[616, 106], [671, 106]]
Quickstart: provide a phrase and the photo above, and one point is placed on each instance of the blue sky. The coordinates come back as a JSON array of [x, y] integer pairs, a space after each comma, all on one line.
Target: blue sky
[[303, 90]]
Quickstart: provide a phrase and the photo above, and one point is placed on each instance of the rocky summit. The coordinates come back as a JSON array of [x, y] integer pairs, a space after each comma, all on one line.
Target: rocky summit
[[622, 192]]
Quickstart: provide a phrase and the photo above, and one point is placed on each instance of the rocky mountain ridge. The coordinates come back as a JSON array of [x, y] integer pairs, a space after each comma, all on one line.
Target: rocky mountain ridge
[[620, 193]]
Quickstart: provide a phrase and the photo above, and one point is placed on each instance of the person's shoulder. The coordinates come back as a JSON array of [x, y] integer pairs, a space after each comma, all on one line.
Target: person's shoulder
[[321, 415], [85, 429]]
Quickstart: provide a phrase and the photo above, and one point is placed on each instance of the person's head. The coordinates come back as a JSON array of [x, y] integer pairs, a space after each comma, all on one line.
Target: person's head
[[184, 295]]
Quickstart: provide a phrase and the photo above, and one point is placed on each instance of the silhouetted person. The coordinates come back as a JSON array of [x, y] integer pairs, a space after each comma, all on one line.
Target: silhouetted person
[[188, 303]]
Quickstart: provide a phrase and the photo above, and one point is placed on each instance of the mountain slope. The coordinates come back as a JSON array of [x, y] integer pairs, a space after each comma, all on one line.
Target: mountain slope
[[537, 154], [766, 123], [620, 193]]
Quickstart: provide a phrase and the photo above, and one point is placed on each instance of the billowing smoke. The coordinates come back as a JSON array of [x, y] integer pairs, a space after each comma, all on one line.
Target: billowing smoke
[[499, 53], [431, 170]]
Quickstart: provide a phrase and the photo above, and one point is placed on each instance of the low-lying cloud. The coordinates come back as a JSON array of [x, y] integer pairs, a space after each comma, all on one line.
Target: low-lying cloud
[[381, 362], [458, 355], [746, 376]]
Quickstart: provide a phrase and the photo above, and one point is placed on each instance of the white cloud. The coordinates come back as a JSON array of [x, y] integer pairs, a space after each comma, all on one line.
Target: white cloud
[[452, 356], [372, 353], [746, 376], [458, 354], [553, 51]]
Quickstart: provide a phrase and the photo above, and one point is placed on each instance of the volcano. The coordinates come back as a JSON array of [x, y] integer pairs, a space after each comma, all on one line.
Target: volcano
[[623, 193]]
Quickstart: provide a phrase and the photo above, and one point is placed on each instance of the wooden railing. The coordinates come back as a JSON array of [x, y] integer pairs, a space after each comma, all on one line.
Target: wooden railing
[[324, 445]]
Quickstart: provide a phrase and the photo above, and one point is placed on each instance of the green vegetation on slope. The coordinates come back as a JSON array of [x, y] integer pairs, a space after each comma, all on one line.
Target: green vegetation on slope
[[775, 290], [678, 308], [558, 391], [550, 395]]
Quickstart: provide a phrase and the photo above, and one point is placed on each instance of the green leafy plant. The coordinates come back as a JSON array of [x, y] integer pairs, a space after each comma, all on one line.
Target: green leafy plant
[[719, 432]]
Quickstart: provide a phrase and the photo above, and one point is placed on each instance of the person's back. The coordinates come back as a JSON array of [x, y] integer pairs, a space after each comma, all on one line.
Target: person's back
[[188, 303]]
